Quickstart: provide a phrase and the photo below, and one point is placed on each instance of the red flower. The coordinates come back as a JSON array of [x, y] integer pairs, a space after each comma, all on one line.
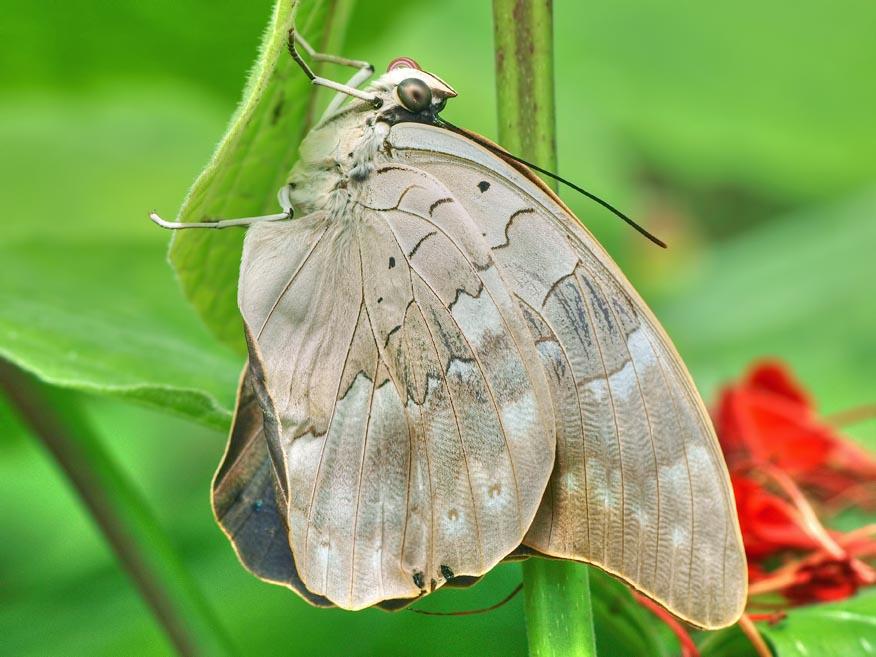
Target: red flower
[[824, 581], [769, 418], [769, 524], [776, 448], [778, 451]]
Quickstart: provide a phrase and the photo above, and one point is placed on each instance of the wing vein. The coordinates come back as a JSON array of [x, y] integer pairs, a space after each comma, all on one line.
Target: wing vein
[[290, 281], [410, 461], [677, 416], [575, 382], [650, 434], [450, 239], [459, 435], [365, 434], [490, 391], [327, 434], [598, 344], [361, 471], [447, 387], [729, 506], [402, 395], [489, 388]]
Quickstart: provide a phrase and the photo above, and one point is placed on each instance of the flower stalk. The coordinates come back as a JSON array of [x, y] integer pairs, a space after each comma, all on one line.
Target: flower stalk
[[559, 616]]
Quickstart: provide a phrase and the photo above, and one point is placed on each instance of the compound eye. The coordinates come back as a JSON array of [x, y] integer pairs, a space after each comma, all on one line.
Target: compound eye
[[414, 94]]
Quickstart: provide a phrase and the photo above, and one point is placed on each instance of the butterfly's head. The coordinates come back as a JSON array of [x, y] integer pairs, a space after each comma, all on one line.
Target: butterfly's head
[[409, 93]]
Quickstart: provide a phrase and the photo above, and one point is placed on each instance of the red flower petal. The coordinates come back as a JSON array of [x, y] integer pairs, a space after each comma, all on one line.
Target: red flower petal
[[769, 524], [772, 377], [824, 581], [769, 418]]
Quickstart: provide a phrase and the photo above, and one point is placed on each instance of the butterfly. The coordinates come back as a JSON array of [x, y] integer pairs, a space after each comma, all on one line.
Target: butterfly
[[447, 370]]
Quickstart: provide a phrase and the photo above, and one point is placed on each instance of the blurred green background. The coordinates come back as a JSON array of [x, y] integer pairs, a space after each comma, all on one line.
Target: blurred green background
[[742, 133]]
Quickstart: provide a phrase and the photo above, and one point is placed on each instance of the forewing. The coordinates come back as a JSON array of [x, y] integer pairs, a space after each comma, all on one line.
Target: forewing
[[404, 403], [639, 487]]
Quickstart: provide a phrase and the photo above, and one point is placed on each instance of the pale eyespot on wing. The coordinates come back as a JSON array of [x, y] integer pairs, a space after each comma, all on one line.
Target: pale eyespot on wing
[[639, 487], [403, 396]]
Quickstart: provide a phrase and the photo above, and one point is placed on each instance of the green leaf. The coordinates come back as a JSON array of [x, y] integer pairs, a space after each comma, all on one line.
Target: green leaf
[[86, 298], [831, 630], [729, 642], [837, 629], [251, 162], [623, 626], [97, 317]]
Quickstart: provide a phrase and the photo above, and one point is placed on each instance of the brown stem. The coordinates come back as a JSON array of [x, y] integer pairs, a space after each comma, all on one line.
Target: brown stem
[[748, 628], [811, 524], [852, 415]]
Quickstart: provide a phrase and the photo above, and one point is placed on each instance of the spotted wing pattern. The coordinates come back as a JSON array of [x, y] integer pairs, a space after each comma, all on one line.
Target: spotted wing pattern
[[639, 487]]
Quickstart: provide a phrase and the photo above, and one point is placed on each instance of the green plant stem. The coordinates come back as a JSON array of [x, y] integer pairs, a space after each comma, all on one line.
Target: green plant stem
[[523, 34], [559, 616], [139, 542]]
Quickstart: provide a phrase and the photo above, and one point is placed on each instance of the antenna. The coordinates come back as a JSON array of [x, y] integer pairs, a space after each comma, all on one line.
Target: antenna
[[498, 150]]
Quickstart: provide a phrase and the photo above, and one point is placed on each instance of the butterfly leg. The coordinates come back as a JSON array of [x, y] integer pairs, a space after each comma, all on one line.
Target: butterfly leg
[[227, 223], [296, 38], [349, 89], [358, 78]]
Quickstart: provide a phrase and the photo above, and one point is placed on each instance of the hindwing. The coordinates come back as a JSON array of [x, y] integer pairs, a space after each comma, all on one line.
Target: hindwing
[[640, 487]]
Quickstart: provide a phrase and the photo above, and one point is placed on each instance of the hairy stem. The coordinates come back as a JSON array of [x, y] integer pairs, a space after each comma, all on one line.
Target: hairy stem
[[140, 544], [559, 617]]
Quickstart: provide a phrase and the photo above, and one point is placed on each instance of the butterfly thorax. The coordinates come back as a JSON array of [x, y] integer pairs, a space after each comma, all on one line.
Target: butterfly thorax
[[343, 150], [336, 158]]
